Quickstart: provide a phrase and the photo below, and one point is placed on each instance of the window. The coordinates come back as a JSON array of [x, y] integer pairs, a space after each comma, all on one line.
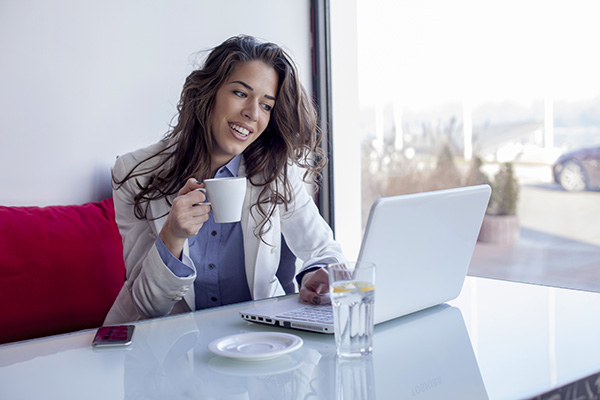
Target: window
[[436, 94]]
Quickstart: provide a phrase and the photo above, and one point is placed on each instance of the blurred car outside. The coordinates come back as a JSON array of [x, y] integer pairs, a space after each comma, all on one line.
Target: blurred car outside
[[578, 170]]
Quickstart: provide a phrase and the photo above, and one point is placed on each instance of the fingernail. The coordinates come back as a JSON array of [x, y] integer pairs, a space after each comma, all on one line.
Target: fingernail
[[316, 300], [198, 183]]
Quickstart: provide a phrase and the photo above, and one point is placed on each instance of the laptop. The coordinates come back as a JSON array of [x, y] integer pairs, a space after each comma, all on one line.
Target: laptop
[[422, 246]]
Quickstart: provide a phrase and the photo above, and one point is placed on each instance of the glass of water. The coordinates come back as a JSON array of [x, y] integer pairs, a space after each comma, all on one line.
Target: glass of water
[[352, 291]]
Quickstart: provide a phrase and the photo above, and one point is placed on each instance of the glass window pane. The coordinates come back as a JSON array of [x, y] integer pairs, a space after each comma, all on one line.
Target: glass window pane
[[465, 92]]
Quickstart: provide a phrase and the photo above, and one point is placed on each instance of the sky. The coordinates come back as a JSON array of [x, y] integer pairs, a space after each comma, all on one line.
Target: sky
[[428, 52]]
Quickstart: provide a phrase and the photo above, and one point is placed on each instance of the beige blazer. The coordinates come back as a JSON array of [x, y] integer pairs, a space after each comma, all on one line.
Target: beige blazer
[[152, 290]]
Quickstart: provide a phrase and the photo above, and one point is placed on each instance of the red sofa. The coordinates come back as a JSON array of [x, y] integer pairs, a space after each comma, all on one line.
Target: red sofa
[[61, 268]]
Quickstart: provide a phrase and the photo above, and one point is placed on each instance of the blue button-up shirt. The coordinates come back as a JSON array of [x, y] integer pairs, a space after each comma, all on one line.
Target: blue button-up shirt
[[217, 251]]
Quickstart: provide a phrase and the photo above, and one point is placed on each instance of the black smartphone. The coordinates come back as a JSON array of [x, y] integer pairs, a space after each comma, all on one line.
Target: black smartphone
[[113, 336]]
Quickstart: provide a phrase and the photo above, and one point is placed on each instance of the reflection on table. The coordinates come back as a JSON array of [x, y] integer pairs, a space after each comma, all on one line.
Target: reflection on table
[[426, 354], [498, 340]]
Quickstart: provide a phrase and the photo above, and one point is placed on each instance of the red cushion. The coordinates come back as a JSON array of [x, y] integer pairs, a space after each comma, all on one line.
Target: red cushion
[[61, 268]]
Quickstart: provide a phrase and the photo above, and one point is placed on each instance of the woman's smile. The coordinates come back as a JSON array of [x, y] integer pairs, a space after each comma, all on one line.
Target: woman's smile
[[240, 130]]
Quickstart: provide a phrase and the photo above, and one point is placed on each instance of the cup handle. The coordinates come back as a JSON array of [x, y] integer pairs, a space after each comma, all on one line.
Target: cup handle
[[206, 203]]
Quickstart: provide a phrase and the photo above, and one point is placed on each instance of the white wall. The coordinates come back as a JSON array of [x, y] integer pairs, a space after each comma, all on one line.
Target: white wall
[[84, 81]]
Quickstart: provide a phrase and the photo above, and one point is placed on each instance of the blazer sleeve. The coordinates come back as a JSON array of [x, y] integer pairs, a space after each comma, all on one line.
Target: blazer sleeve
[[150, 287]]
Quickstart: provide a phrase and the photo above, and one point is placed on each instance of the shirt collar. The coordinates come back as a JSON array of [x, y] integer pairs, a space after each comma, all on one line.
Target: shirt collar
[[230, 169]]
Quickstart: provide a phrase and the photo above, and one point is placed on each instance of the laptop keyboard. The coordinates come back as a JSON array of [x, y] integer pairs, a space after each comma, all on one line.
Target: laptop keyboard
[[322, 314]]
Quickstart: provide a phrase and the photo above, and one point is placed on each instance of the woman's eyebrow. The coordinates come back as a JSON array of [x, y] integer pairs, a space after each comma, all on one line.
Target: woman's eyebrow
[[244, 84]]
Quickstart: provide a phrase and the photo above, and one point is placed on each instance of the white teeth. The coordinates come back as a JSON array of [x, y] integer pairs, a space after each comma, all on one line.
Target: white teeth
[[240, 130]]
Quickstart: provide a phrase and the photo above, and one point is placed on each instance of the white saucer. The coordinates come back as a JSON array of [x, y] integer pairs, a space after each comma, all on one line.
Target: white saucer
[[255, 345]]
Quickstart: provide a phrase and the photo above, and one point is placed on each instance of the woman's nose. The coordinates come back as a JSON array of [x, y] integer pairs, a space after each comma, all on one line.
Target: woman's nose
[[251, 111]]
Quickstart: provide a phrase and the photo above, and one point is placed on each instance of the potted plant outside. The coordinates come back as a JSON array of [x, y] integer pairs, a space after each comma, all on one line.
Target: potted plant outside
[[500, 224]]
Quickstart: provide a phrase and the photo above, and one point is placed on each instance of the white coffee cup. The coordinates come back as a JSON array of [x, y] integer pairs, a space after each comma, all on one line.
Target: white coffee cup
[[226, 198]]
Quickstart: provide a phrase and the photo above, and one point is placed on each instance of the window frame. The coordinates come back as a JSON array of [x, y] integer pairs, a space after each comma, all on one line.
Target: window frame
[[321, 88]]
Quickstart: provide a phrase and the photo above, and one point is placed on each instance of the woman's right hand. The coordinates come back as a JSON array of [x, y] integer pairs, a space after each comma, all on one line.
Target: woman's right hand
[[187, 216]]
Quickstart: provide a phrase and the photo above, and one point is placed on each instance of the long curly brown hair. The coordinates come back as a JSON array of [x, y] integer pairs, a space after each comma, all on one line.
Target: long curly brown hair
[[292, 135]]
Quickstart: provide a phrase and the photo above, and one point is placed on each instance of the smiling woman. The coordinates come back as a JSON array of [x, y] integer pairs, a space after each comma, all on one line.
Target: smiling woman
[[244, 113], [242, 110]]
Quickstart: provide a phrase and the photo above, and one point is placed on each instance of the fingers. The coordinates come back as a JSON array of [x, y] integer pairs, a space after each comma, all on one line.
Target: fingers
[[190, 195], [315, 285], [190, 185], [186, 217], [193, 191]]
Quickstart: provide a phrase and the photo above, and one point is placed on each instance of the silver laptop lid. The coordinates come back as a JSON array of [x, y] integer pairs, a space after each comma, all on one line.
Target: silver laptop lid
[[422, 245]]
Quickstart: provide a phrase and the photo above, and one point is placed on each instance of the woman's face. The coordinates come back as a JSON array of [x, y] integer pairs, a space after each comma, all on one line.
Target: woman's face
[[242, 110]]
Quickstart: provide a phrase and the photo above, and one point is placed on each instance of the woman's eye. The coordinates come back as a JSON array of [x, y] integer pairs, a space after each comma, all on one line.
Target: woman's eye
[[267, 107], [239, 93]]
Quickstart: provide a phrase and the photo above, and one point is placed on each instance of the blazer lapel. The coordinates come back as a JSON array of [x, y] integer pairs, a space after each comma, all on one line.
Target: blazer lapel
[[259, 258], [159, 210], [248, 226]]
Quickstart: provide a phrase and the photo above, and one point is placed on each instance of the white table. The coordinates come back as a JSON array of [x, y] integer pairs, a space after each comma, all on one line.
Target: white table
[[497, 340]]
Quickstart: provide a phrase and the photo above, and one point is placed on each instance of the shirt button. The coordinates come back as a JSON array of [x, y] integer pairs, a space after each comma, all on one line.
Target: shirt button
[[212, 266], [214, 233], [213, 298]]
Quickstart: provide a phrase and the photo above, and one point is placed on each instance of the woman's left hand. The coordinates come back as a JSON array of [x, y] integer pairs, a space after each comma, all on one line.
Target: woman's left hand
[[315, 284]]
